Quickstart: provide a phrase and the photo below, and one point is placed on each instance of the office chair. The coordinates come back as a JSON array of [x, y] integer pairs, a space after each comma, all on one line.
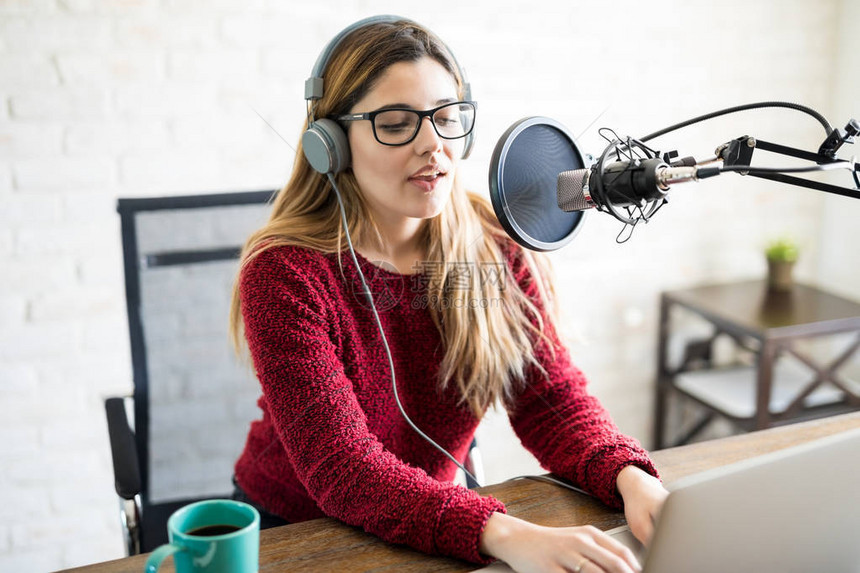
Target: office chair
[[176, 440]]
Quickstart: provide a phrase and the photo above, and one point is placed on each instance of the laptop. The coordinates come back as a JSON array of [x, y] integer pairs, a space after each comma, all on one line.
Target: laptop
[[796, 509]]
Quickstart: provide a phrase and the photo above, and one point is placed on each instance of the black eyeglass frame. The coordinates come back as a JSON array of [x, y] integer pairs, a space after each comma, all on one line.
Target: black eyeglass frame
[[371, 116]]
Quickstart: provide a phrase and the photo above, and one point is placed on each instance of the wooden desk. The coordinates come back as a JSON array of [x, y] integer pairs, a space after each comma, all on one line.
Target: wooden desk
[[327, 545], [768, 323]]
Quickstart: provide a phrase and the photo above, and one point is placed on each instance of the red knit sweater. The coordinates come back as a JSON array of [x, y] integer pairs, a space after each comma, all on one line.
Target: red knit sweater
[[332, 441]]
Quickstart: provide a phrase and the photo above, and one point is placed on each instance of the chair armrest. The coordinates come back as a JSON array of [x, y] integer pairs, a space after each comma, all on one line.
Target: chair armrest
[[126, 468], [474, 462]]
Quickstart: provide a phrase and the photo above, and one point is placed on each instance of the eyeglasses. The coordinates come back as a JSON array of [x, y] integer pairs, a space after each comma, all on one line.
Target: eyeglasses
[[399, 126]]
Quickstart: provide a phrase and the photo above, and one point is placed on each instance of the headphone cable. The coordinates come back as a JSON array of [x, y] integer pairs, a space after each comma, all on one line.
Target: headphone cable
[[369, 295]]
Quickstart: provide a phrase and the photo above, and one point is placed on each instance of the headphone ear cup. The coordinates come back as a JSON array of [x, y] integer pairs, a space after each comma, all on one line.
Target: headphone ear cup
[[326, 147], [467, 146], [470, 139]]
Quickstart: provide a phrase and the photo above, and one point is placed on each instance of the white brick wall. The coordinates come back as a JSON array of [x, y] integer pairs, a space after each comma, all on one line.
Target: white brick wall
[[108, 98]]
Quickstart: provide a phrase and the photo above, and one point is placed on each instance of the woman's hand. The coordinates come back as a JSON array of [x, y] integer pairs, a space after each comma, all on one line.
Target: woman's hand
[[530, 548], [643, 496]]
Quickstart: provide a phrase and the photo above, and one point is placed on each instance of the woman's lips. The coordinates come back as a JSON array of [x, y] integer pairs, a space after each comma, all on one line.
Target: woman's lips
[[427, 182]]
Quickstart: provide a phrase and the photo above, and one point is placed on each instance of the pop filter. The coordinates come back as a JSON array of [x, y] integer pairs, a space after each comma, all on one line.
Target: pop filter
[[524, 183]]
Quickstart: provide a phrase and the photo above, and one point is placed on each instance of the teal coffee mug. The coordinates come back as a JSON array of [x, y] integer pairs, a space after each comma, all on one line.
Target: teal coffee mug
[[211, 536]]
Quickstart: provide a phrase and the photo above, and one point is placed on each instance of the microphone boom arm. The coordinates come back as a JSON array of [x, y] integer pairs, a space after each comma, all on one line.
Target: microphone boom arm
[[738, 152]]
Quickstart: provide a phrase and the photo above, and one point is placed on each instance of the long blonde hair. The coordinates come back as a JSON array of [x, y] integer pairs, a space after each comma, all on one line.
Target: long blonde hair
[[490, 328]]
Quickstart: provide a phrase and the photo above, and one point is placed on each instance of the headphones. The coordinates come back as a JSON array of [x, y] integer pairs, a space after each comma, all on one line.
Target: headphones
[[325, 144]]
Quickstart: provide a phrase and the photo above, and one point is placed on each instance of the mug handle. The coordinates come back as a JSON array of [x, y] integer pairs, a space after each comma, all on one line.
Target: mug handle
[[157, 556]]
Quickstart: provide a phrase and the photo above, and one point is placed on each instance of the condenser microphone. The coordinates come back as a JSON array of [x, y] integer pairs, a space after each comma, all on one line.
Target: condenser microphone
[[621, 184], [541, 188]]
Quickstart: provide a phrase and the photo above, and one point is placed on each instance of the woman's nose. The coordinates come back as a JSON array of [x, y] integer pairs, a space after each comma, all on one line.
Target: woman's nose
[[427, 139]]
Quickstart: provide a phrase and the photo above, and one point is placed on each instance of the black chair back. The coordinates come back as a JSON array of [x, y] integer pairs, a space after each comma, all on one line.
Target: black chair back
[[193, 399]]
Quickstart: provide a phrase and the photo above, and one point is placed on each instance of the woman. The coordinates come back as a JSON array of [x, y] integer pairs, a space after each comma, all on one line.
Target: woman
[[466, 315]]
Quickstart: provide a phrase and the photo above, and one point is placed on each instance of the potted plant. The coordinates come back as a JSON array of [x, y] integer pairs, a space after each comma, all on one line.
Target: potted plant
[[781, 256]]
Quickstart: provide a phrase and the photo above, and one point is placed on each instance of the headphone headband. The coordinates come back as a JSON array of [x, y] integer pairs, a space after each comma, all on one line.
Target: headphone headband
[[314, 85]]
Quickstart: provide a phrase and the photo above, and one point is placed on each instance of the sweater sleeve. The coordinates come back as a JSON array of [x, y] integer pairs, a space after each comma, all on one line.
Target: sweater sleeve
[[567, 429], [318, 419]]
